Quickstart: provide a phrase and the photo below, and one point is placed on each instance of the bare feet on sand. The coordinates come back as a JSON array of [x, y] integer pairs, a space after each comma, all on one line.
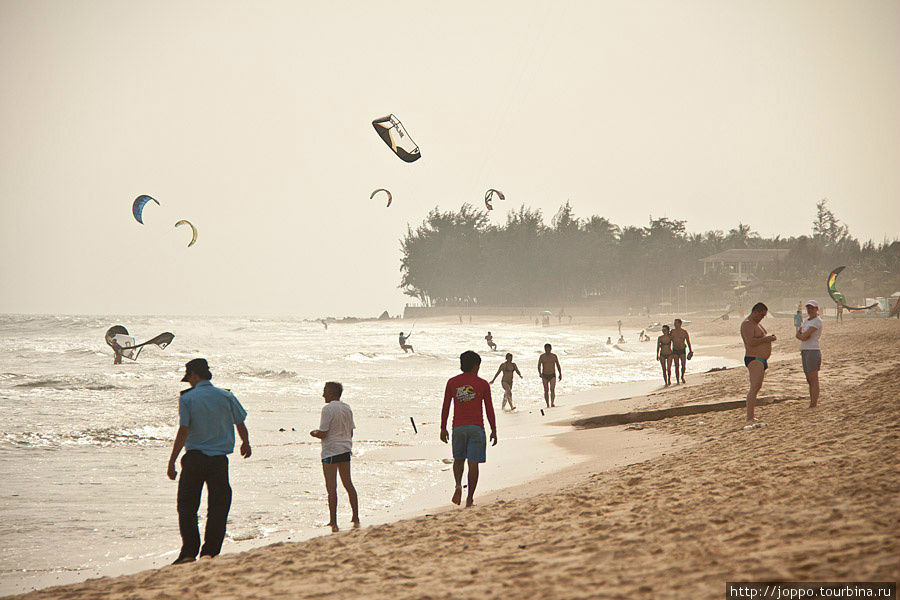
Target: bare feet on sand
[[457, 495], [334, 527], [355, 524], [469, 502]]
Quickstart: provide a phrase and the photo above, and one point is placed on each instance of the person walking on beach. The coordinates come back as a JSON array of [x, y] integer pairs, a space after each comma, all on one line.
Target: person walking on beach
[[664, 354], [403, 345], [208, 417], [680, 353], [467, 393], [810, 354], [757, 350], [490, 342], [798, 317], [507, 368], [336, 432], [548, 363]]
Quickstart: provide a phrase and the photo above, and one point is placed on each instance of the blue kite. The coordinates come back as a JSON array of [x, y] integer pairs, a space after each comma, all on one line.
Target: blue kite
[[137, 208]]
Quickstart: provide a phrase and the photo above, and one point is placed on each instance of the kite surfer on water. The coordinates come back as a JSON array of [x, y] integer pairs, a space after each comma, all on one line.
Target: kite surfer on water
[[403, 345]]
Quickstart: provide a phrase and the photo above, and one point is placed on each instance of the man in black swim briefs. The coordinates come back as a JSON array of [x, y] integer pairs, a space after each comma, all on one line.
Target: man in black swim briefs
[[757, 350], [548, 364]]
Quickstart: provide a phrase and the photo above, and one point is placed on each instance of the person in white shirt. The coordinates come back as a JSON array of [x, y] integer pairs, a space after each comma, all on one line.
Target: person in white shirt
[[810, 354], [336, 432]]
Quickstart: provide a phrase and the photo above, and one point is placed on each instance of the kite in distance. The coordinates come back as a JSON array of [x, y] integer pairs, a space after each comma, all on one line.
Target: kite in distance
[[382, 190], [839, 297], [193, 230], [489, 197], [137, 209], [391, 130]]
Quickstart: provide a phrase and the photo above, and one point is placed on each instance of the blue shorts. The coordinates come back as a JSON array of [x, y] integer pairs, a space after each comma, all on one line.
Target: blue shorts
[[469, 443]]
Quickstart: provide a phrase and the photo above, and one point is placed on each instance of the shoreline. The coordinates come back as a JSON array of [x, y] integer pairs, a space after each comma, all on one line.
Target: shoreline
[[695, 502], [535, 452], [538, 451]]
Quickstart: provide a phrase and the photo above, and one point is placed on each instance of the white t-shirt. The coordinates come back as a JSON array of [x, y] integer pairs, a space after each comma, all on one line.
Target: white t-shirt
[[337, 422], [813, 342]]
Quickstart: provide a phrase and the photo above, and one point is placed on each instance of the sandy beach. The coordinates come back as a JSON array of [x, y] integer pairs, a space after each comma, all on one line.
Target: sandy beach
[[672, 508]]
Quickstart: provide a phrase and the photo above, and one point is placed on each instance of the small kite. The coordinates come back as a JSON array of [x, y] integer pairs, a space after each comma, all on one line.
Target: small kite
[[137, 209], [489, 197], [382, 190], [193, 230], [839, 297], [391, 130]]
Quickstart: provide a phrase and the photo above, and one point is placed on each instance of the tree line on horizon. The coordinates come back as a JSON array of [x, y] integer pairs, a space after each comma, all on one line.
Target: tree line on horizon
[[461, 259]]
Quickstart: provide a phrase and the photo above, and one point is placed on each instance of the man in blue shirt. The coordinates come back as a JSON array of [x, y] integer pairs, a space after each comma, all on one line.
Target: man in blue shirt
[[208, 418]]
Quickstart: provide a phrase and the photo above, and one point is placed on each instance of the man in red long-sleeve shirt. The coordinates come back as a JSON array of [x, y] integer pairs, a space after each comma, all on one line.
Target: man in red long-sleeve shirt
[[468, 392]]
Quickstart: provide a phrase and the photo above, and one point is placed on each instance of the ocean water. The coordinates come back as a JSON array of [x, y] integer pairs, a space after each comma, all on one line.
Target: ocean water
[[85, 443]]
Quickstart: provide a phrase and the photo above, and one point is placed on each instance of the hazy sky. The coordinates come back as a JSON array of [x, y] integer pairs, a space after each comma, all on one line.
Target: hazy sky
[[252, 119]]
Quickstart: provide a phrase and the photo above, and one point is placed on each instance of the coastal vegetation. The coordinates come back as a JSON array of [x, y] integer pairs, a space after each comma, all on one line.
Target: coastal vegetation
[[461, 259]]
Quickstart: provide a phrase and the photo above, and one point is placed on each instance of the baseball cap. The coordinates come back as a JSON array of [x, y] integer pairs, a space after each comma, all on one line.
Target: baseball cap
[[813, 303], [198, 366]]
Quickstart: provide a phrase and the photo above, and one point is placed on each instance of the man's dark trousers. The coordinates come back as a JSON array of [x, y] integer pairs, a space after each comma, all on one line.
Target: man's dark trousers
[[197, 469]]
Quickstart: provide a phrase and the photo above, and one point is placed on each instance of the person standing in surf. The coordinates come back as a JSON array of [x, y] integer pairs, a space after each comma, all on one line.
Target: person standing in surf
[[336, 432], [548, 363], [468, 393], [507, 368]]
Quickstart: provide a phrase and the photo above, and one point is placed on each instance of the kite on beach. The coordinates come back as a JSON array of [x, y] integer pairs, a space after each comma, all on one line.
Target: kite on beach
[[389, 197], [489, 197], [839, 297], [391, 130], [193, 230], [137, 208]]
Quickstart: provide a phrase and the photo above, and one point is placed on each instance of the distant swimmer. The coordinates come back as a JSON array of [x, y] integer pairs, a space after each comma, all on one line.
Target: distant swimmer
[[664, 354], [403, 345], [468, 393], [757, 350], [507, 368], [325, 323], [621, 339], [548, 363], [490, 341], [609, 341], [681, 354]]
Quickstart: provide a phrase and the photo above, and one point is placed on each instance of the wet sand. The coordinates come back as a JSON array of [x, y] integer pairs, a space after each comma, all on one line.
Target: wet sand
[[812, 495]]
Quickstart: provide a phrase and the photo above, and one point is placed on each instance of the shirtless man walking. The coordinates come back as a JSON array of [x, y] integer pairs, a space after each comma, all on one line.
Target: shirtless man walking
[[680, 353], [757, 350], [548, 363]]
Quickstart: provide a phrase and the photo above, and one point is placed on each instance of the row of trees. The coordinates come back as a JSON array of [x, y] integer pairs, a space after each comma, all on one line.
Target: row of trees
[[459, 258]]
